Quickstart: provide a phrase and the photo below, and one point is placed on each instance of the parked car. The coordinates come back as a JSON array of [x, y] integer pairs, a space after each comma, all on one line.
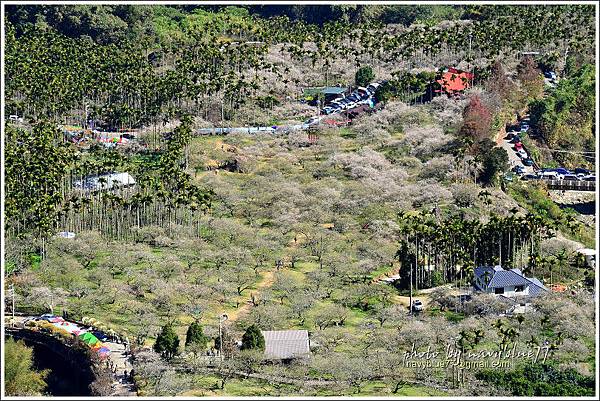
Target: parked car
[[524, 128], [528, 161], [583, 171], [561, 170], [522, 154], [530, 177], [509, 136], [373, 88], [515, 139], [518, 146], [508, 176], [551, 175], [14, 117], [571, 177], [417, 305], [518, 169], [590, 178]]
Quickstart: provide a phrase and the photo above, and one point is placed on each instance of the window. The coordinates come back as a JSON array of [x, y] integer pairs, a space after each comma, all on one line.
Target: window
[[519, 288], [499, 290]]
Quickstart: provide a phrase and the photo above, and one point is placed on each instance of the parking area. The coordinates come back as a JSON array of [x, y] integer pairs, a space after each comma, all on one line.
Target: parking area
[[519, 159], [523, 166], [361, 96]]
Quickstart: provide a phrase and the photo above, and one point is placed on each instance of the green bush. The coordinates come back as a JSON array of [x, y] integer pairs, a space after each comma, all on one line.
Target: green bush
[[364, 76], [253, 338], [453, 316], [541, 380]]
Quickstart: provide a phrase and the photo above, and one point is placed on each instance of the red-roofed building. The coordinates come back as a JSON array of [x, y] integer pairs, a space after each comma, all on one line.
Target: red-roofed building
[[454, 81]]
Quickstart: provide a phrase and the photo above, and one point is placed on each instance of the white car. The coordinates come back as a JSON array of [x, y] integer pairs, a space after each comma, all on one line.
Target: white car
[[551, 175], [417, 305], [522, 154]]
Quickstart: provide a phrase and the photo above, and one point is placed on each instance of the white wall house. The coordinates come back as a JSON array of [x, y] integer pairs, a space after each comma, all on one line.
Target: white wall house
[[508, 283]]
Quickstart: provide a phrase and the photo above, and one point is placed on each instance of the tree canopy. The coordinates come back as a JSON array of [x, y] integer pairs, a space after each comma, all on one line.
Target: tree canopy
[[20, 378], [253, 339]]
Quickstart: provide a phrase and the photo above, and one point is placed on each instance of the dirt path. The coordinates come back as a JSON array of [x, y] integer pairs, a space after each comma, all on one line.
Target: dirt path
[[267, 280], [424, 295], [121, 363]]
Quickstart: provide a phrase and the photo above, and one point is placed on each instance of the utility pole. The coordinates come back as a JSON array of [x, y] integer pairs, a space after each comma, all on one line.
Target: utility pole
[[470, 58], [318, 111], [222, 318], [411, 290], [12, 293]]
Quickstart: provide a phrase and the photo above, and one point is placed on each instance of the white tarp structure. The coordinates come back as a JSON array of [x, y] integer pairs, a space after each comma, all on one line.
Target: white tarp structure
[[105, 182]]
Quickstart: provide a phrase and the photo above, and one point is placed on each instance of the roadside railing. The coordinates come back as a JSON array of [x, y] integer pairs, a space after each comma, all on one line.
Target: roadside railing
[[568, 185]]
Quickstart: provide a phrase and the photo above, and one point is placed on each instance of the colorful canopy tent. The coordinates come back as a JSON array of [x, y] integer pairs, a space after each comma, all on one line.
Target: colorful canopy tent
[[97, 346], [103, 352], [52, 318], [69, 327], [100, 335], [89, 338]]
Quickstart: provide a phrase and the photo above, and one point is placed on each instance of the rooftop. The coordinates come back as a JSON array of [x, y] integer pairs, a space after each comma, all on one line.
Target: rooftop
[[454, 80], [497, 277], [286, 344]]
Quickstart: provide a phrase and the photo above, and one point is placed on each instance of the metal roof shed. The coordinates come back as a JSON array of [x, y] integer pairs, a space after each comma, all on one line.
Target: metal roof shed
[[286, 344]]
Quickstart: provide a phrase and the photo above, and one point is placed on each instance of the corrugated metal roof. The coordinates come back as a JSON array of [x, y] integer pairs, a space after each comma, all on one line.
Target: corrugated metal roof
[[507, 278], [498, 278], [286, 344]]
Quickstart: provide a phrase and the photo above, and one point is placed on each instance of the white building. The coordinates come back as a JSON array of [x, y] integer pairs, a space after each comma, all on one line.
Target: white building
[[508, 283], [590, 256], [105, 182]]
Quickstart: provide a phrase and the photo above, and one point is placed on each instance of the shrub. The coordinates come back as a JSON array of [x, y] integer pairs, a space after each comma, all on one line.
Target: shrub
[[364, 76], [253, 338]]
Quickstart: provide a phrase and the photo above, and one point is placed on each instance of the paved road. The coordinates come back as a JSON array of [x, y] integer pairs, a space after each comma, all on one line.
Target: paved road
[[513, 159], [253, 130]]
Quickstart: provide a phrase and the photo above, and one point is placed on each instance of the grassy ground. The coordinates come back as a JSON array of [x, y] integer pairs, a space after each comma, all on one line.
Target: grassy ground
[[209, 386]]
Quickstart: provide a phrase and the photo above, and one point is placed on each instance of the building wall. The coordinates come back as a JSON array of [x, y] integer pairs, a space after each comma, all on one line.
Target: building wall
[[509, 291]]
